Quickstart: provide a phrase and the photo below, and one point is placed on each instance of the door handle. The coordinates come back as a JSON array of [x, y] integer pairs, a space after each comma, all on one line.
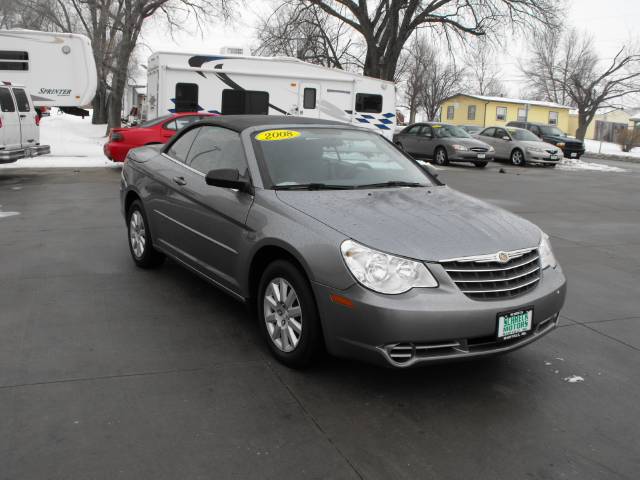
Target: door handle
[[23, 115], [179, 180]]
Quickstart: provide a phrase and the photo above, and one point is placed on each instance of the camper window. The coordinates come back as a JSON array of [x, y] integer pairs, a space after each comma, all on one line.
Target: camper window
[[309, 99], [6, 101], [11, 60], [368, 103], [186, 97], [244, 102], [22, 100]]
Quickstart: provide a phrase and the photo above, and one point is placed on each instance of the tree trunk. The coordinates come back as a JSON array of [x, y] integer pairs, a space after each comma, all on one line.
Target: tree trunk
[[119, 83], [583, 124], [412, 114], [100, 105]]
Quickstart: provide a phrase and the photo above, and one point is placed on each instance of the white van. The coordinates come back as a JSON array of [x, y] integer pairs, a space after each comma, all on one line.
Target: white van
[[19, 125], [232, 84]]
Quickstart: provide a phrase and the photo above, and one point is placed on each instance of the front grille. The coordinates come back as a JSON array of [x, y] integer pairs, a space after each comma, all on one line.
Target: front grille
[[552, 151], [479, 149], [486, 278]]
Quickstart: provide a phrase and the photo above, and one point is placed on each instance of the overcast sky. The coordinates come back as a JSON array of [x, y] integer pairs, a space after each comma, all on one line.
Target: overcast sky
[[611, 22]]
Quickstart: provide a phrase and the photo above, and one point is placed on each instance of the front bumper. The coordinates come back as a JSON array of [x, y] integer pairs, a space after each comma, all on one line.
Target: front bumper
[[10, 156], [544, 158], [431, 324], [462, 156]]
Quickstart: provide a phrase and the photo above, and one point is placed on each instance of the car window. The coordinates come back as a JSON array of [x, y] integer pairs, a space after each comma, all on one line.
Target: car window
[[449, 131], [524, 135], [489, 132], [22, 100], [426, 131], [215, 148], [179, 149], [181, 122], [413, 130], [6, 101], [500, 132], [333, 156], [551, 131]]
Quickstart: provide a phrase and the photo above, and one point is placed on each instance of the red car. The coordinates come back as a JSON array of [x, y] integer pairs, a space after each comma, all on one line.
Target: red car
[[158, 130]]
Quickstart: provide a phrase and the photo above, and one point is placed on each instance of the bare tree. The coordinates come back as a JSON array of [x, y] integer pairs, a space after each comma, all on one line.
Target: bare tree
[[310, 34], [386, 25], [483, 76], [572, 73], [418, 56], [443, 79]]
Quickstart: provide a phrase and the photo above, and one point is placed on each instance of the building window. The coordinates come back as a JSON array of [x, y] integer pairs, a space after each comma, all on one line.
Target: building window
[[450, 112], [186, 97], [12, 60], [309, 100], [522, 114], [501, 113], [471, 112], [368, 103], [245, 102], [553, 118]]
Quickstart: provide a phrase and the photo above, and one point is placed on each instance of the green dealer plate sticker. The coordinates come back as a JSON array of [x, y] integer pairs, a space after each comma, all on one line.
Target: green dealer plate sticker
[[514, 324]]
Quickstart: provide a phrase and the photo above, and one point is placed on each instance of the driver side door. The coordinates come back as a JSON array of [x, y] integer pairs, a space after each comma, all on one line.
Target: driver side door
[[502, 146]]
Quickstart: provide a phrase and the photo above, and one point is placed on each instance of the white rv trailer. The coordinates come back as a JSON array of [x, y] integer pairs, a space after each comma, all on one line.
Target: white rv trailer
[[58, 69], [230, 84]]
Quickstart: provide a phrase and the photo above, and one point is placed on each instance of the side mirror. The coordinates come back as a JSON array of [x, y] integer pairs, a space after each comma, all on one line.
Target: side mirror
[[227, 178], [506, 137]]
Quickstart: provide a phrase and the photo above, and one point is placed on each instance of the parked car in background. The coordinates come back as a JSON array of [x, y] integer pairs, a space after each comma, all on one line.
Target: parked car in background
[[153, 132], [571, 147], [405, 271], [519, 146], [471, 129], [19, 125], [443, 143]]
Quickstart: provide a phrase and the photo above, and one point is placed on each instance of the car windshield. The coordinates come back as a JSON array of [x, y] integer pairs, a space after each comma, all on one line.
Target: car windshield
[[449, 131], [521, 134], [155, 121], [552, 131], [334, 158]]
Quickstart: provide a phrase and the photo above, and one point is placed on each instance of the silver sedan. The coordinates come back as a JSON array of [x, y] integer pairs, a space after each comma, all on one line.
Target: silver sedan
[[337, 239], [519, 146]]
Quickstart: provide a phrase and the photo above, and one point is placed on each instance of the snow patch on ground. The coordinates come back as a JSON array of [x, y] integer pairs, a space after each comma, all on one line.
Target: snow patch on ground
[[593, 146], [574, 379], [75, 143], [572, 164]]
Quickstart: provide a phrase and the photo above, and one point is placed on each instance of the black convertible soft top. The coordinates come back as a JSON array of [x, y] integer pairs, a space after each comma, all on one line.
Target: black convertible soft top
[[242, 122]]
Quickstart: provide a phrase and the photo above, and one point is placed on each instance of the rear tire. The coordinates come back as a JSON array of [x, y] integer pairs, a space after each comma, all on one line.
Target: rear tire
[[288, 315], [517, 158], [441, 157], [140, 243], [480, 164]]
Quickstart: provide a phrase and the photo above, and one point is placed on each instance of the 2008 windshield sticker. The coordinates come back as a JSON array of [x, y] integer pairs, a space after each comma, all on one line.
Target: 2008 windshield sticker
[[272, 135]]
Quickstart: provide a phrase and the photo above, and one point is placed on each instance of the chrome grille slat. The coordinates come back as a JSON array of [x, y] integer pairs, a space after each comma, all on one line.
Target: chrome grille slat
[[480, 278]]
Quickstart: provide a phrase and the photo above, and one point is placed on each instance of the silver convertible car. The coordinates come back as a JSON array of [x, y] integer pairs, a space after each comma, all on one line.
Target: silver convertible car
[[336, 239]]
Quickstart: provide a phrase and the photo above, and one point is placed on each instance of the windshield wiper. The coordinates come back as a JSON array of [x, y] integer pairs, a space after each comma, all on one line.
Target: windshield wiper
[[393, 183], [312, 186]]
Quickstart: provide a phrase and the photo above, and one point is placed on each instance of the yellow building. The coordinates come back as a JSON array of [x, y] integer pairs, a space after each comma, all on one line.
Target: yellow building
[[463, 109], [604, 125]]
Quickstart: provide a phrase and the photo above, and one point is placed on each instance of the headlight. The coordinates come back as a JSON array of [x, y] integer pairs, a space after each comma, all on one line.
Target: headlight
[[459, 148], [491, 149], [535, 150], [385, 273], [560, 144], [547, 259]]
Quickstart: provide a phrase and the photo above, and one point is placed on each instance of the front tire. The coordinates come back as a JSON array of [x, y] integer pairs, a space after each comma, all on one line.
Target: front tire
[[140, 244], [517, 158], [441, 157], [288, 315]]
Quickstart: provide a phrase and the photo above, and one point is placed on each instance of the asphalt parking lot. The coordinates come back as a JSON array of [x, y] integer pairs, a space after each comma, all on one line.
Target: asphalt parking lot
[[107, 371]]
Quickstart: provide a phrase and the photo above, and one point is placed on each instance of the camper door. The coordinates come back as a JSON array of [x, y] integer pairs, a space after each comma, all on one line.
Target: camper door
[[308, 100]]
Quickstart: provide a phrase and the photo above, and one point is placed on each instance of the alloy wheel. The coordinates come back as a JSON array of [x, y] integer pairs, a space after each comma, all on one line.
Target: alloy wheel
[[517, 158], [137, 234], [282, 314], [441, 157]]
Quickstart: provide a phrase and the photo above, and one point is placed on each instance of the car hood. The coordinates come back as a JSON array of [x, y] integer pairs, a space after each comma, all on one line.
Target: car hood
[[433, 224], [565, 140], [467, 142], [535, 144]]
